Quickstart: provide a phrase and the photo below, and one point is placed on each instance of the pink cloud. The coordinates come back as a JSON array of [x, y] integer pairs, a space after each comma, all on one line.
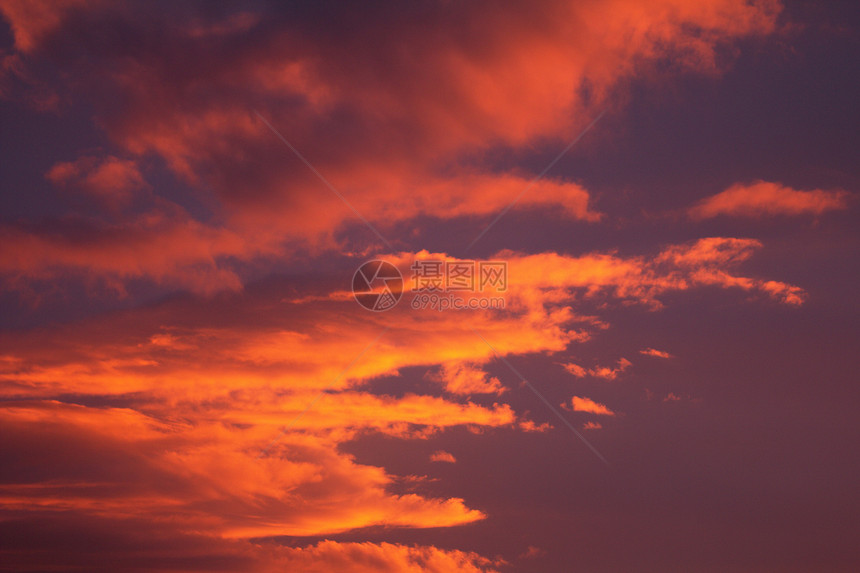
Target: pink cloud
[[110, 180], [766, 199]]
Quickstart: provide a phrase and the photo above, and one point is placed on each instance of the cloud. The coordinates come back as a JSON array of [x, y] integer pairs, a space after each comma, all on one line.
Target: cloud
[[706, 262], [443, 456], [393, 107], [191, 343], [207, 385], [766, 199], [164, 246], [33, 21], [165, 410], [189, 426], [611, 373], [110, 180], [124, 542], [122, 463], [587, 405], [655, 353], [532, 552], [575, 369], [604, 372], [592, 426], [531, 426], [464, 378], [371, 557]]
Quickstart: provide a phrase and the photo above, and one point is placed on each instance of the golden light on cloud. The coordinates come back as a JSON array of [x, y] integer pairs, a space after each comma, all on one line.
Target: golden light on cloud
[[581, 404], [464, 378]]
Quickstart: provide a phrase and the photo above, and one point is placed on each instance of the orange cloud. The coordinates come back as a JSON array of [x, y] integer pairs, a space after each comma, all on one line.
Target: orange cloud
[[422, 103], [677, 268], [590, 406], [592, 426], [163, 544], [705, 263], [655, 353], [173, 467], [215, 383], [539, 317], [443, 456], [463, 378], [575, 369], [611, 373], [372, 558], [598, 371], [396, 121], [531, 426], [764, 199], [211, 384]]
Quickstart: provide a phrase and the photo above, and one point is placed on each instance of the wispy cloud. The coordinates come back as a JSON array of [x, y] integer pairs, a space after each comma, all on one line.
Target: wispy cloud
[[655, 353], [767, 199]]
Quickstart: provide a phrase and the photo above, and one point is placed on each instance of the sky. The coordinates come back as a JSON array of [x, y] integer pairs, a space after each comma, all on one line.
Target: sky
[[437, 286]]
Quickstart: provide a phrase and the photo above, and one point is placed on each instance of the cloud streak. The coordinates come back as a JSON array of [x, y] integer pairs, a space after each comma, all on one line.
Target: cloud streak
[[766, 199]]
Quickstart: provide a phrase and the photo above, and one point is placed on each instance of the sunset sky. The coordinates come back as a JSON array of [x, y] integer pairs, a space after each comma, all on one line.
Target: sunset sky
[[669, 384]]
